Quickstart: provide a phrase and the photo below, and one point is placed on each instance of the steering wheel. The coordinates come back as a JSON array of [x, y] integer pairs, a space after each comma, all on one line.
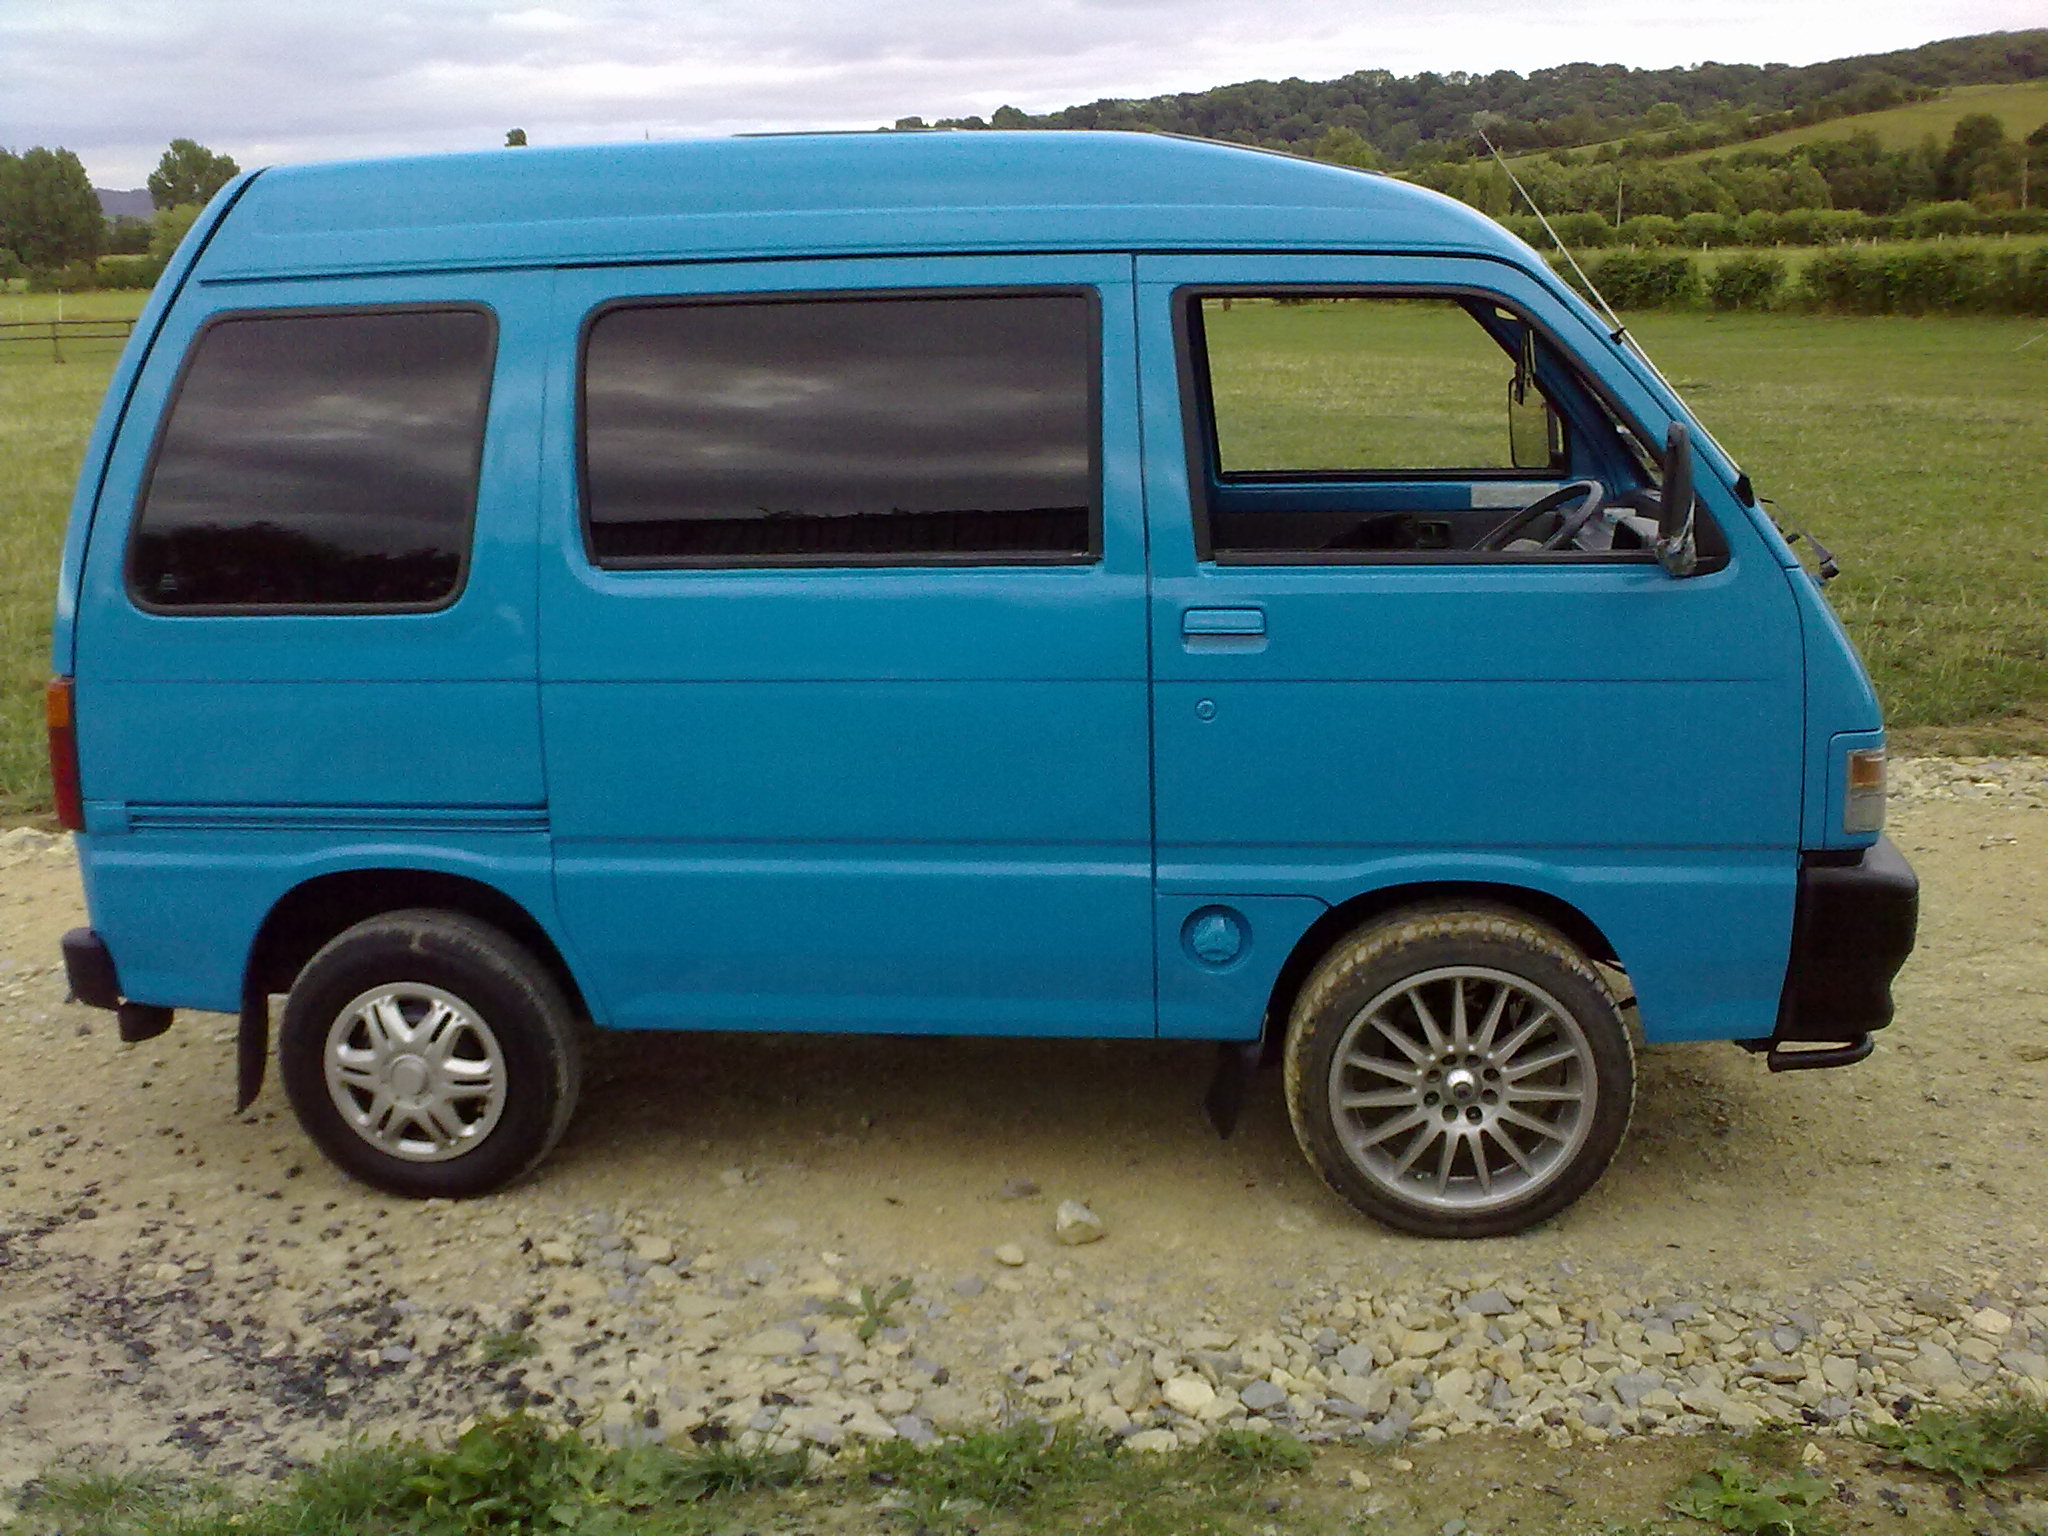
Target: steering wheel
[[1594, 494]]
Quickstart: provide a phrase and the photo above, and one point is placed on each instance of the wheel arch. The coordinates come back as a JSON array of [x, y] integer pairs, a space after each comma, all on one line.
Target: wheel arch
[[311, 913], [1349, 916]]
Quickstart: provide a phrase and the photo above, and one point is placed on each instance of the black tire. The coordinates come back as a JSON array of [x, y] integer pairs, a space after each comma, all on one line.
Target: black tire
[[1429, 1154], [502, 1104]]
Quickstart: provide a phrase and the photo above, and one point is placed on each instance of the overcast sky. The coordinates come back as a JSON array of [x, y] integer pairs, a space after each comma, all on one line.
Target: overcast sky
[[270, 81]]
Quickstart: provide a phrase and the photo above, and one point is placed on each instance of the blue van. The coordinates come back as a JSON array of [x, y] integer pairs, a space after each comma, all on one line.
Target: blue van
[[1061, 584]]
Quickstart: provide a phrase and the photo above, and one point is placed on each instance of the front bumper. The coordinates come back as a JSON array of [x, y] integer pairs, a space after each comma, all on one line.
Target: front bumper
[[1852, 929]]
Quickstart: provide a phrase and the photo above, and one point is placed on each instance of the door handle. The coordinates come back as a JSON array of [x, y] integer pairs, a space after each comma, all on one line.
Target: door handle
[[1223, 629], [1223, 621]]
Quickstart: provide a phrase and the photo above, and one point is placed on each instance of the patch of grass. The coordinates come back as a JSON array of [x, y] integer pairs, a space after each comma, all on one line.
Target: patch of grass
[[874, 1310], [1250, 1451], [506, 1347], [1046, 1479], [504, 1475], [990, 1469], [107, 1502], [1770, 1445], [520, 1474], [1971, 1445], [1733, 1497]]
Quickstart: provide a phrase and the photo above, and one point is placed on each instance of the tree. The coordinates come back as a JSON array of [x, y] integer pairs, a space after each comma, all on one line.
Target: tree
[[1343, 146], [1975, 139], [189, 173], [127, 237], [49, 214], [515, 138], [169, 227]]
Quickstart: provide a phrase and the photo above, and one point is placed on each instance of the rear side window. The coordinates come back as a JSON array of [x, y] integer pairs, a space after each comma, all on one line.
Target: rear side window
[[318, 460], [842, 431]]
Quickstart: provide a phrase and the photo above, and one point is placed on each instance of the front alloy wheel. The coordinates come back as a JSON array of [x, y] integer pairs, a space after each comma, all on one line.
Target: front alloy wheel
[[1458, 1072]]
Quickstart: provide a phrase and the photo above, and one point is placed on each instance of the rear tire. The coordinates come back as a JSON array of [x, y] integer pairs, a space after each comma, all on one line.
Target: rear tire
[[429, 1054], [1458, 1072]]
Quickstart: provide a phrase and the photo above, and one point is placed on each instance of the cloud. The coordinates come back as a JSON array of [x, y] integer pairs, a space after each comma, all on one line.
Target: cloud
[[282, 80]]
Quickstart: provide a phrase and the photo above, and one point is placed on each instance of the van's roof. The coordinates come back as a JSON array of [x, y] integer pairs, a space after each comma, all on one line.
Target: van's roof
[[825, 194]]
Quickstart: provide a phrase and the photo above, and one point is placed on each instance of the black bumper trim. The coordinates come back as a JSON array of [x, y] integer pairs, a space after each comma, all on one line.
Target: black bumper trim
[[89, 967], [1852, 929], [1812, 1058]]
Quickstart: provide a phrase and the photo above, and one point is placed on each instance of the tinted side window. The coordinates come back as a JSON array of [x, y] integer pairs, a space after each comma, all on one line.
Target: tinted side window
[[318, 460], [841, 431]]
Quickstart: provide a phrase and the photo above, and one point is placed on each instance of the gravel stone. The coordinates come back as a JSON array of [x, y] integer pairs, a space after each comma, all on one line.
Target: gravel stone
[[1632, 1388], [1188, 1394], [1074, 1224], [1260, 1396], [773, 1341], [1355, 1360]]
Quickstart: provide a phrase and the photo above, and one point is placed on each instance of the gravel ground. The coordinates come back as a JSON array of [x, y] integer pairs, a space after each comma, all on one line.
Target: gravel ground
[[181, 1285]]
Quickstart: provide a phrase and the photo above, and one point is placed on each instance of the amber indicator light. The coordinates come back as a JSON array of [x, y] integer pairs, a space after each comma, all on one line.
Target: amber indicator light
[[63, 754]]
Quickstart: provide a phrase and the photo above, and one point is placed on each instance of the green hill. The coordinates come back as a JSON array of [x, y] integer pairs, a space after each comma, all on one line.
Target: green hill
[[2022, 107], [1375, 118]]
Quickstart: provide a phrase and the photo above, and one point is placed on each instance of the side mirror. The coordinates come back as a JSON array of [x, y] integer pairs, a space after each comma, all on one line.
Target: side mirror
[[1676, 551], [1535, 435]]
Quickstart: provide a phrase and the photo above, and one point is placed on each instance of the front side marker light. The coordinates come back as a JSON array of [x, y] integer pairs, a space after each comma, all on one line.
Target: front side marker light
[[1863, 793]]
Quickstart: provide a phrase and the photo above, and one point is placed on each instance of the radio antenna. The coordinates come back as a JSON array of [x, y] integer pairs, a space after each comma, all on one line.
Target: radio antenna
[[1620, 330], [1621, 334]]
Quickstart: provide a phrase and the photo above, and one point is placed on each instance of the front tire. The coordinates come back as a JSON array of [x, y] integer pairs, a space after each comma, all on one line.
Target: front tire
[[429, 1054], [1458, 1072]]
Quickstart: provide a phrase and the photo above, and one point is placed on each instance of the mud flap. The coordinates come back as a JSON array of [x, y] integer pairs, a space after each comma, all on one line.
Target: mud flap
[[1236, 1061], [252, 1046]]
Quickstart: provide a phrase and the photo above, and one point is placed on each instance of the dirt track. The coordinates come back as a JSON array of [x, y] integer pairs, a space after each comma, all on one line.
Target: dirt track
[[229, 1296]]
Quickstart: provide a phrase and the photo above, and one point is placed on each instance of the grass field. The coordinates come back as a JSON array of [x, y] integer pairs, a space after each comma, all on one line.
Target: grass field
[[2022, 107], [1916, 449], [46, 409]]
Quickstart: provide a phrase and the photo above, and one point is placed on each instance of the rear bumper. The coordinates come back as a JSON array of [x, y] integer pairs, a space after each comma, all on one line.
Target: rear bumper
[[89, 967], [1853, 927]]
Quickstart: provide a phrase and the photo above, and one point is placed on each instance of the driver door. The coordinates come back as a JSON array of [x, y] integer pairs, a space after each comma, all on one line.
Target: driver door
[[1349, 693]]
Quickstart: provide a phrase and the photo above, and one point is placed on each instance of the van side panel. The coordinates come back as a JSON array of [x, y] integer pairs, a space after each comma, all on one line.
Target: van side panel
[[227, 755], [882, 797]]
